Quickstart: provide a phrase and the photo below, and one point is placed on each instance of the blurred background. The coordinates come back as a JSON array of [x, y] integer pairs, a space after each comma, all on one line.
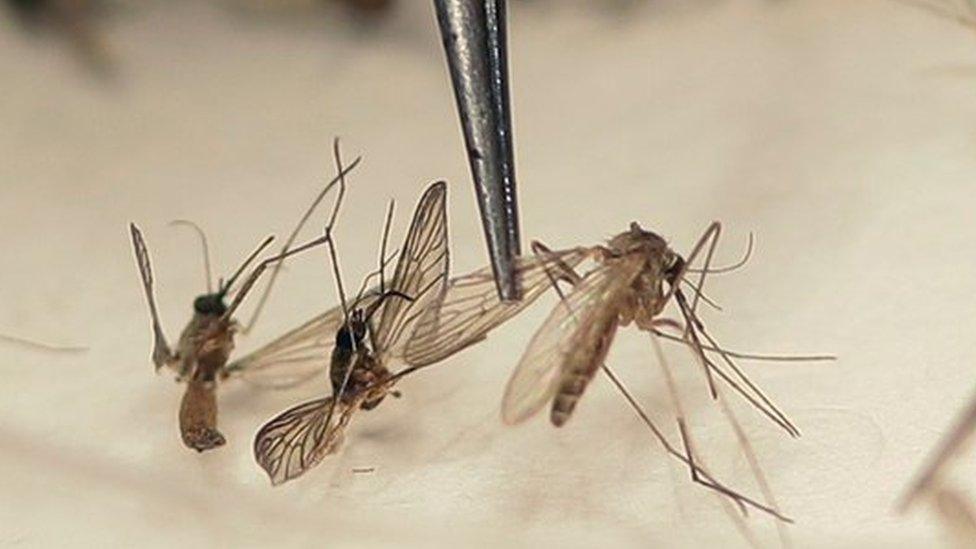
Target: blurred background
[[840, 133]]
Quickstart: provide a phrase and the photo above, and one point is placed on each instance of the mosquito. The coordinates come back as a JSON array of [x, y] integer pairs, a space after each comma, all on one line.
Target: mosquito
[[371, 333], [205, 343], [204, 347], [636, 276], [952, 506]]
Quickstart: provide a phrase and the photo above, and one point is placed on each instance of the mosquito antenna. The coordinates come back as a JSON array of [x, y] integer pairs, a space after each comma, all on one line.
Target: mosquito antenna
[[369, 278], [729, 268], [749, 356], [204, 244], [240, 270], [386, 235], [294, 235]]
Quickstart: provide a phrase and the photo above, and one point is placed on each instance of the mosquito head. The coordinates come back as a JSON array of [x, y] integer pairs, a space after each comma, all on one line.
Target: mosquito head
[[673, 267], [210, 304], [351, 335]]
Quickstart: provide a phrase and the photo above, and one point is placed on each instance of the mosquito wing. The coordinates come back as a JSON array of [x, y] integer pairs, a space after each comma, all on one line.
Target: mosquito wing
[[536, 378], [296, 356], [421, 270], [298, 438], [469, 308], [161, 355]]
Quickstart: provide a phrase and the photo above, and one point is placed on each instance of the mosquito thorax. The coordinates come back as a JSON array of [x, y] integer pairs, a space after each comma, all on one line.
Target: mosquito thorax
[[210, 304], [637, 240]]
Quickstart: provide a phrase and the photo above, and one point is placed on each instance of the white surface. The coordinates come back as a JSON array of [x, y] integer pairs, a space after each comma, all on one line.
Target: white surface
[[841, 133]]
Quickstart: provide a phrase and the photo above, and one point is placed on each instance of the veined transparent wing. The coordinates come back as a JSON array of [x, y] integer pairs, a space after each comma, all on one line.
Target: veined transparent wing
[[298, 439], [469, 307], [536, 378], [296, 356], [421, 270], [161, 353]]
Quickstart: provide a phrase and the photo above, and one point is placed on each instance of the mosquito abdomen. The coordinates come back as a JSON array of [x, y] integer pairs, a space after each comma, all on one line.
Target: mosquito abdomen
[[198, 416], [581, 363], [570, 391]]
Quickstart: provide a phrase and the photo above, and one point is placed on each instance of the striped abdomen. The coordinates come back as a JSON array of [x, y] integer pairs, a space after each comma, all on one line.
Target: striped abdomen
[[582, 361], [198, 416]]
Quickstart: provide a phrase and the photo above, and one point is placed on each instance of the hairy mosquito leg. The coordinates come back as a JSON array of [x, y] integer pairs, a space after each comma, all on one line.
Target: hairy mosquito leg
[[337, 271], [694, 327], [692, 324], [708, 262], [773, 409], [707, 480], [259, 307], [768, 410], [679, 414], [701, 295]]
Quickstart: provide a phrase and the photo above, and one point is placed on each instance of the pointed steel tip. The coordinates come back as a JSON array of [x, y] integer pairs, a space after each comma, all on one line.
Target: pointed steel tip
[[508, 288]]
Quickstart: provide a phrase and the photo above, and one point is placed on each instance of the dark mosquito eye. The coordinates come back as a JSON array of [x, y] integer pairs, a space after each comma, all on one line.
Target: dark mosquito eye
[[210, 304], [343, 338], [675, 267]]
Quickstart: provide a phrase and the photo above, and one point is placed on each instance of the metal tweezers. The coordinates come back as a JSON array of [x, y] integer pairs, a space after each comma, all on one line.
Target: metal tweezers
[[474, 36]]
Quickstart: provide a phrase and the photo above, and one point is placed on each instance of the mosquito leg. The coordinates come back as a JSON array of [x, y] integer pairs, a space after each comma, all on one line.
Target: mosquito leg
[[713, 243], [691, 335], [705, 479], [710, 233], [679, 412], [759, 394], [337, 272], [762, 403], [294, 234], [754, 466]]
